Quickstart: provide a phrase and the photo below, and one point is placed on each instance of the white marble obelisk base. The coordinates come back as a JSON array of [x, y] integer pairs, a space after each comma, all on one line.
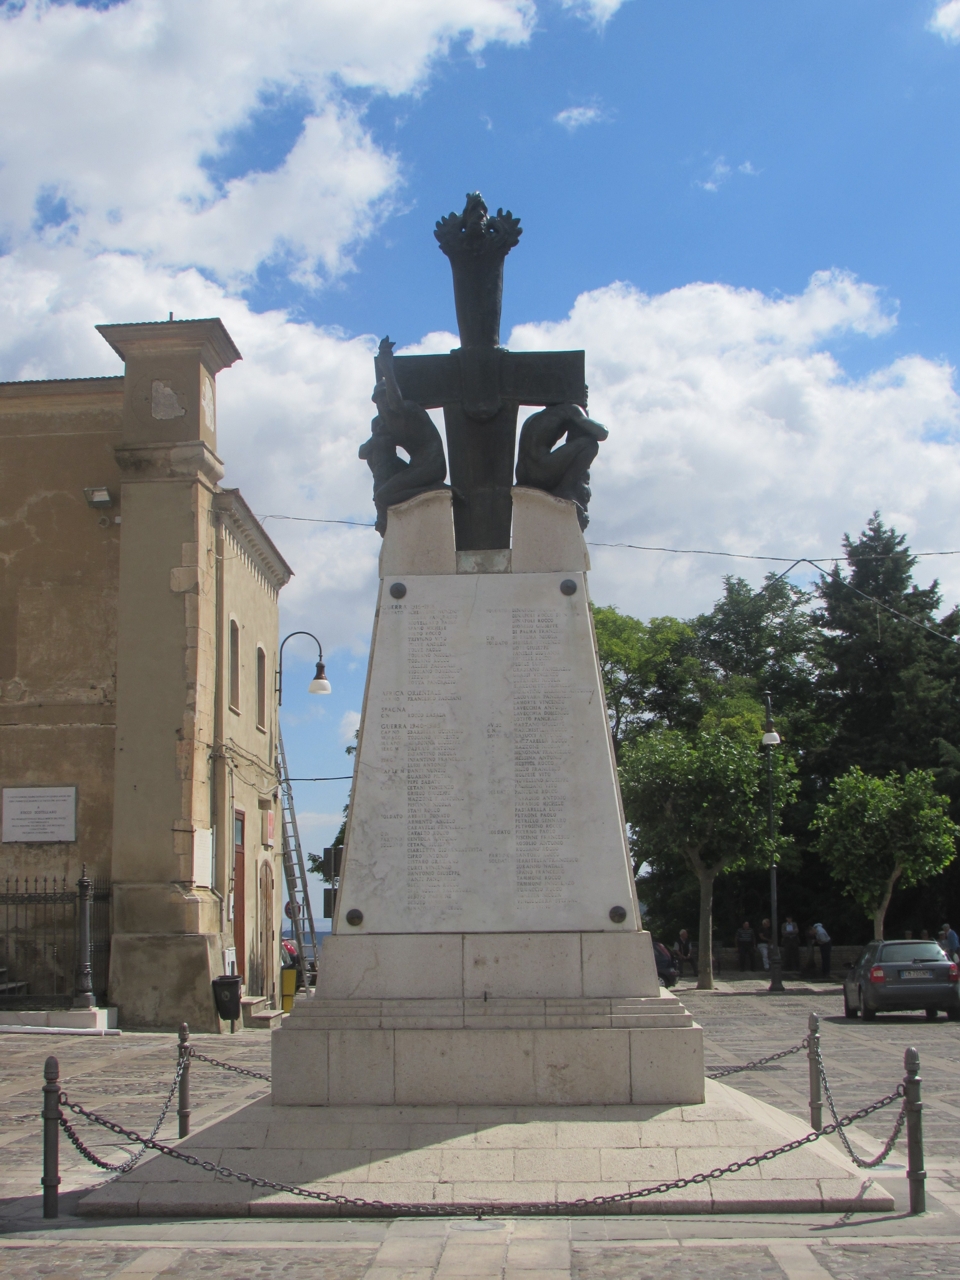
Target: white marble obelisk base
[[487, 945]]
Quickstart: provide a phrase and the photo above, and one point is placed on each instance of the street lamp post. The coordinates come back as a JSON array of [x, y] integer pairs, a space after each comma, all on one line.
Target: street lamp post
[[319, 683], [770, 740]]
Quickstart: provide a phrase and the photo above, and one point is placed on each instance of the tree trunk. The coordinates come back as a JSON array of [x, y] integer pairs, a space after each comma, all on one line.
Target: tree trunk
[[881, 910], [705, 957]]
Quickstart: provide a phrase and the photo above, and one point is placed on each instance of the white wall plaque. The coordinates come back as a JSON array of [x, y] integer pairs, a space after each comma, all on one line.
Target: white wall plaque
[[39, 815], [203, 857]]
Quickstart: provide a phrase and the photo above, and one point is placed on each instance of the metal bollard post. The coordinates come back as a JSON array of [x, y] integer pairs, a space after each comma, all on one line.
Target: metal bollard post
[[916, 1174], [813, 1061], [183, 1104], [84, 997], [51, 1138]]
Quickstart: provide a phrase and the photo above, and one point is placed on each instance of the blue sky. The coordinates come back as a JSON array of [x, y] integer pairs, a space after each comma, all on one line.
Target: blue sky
[[745, 212], [748, 143]]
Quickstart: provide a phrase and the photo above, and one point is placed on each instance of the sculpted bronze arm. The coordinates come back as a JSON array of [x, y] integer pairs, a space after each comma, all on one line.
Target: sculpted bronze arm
[[386, 375]]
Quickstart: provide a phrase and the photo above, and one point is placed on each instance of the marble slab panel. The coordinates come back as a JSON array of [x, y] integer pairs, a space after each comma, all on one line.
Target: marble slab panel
[[485, 796]]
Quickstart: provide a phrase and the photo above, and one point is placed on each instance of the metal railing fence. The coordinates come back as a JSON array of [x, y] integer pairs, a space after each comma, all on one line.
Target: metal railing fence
[[40, 941]]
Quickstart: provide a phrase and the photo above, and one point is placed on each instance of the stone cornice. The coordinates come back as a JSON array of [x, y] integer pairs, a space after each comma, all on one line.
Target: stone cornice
[[252, 537], [208, 337], [165, 461]]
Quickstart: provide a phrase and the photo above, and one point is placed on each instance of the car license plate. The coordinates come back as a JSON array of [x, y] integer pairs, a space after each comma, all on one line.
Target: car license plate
[[916, 973]]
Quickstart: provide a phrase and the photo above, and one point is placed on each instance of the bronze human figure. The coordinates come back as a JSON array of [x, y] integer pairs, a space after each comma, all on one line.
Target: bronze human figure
[[563, 471], [400, 424]]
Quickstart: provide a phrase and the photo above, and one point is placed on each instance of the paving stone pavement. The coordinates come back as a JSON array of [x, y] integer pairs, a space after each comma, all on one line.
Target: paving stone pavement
[[127, 1078]]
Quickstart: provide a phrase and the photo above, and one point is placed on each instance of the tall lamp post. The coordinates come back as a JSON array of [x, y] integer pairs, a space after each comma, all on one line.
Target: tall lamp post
[[319, 683], [770, 740]]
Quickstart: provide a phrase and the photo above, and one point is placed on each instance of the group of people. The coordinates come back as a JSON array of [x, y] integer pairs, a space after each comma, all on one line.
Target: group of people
[[749, 944], [947, 938]]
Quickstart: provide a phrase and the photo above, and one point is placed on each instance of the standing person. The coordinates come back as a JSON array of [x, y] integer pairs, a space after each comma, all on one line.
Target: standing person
[[745, 940], [764, 938], [823, 941], [951, 943], [790, 935]]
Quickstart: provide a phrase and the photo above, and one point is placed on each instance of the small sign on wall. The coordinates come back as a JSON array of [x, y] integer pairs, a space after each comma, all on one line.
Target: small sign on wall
[[203, 857], [39, 815]]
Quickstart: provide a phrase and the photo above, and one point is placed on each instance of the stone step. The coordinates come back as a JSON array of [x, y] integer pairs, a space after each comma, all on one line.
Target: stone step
[[257, 1015], [319, 1014], [268, 1020]]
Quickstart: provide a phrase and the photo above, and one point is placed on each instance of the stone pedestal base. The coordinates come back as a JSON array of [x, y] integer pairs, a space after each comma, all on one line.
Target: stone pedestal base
[[519, 1019], [502, 1052]]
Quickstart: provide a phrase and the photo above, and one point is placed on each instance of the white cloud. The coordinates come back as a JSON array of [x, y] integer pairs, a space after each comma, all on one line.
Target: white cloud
[[313, 825], [108, 119], [946, 21], [720, 173], [573, 118], [598, 12], [717, 176], [349, 724], [731, 425], [733, 429]]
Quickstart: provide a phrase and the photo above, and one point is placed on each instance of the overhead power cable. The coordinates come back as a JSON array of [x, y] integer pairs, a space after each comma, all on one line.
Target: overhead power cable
[[343, 777], [357, 524], [673, 551]]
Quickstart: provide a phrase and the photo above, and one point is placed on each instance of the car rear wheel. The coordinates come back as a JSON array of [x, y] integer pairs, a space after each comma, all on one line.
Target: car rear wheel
[[868, 1015], [849, 1011], [953, 1015], [932, 1014]]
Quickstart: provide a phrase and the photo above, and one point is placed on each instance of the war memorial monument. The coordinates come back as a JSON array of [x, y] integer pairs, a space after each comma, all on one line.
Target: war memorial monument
[[488, 1027]]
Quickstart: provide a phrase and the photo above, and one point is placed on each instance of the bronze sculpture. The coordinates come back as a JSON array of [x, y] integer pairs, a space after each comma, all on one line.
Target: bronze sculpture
[[480, 387], [562, 471], [400, 424]]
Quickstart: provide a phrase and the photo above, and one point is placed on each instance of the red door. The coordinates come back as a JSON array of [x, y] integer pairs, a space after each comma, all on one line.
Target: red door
[[239, 892]]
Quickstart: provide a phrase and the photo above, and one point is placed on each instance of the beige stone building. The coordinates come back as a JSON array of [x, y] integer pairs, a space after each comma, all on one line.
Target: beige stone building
[[138, 650]]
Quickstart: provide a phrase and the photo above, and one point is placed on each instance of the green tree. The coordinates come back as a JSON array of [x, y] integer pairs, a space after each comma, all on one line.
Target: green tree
[[892, 684], [651, 674], [701, 802], [763, 640], [876, 832]]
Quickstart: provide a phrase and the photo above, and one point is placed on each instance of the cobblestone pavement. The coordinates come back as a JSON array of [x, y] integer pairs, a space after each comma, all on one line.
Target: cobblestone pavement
[[127, 1078], [124, 1077]]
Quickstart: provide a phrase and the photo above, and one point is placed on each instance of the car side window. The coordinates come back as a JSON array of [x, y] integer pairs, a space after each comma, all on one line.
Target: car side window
[[869, 953]]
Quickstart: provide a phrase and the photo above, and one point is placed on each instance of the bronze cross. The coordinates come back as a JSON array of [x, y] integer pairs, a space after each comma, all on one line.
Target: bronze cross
[[480, 385]]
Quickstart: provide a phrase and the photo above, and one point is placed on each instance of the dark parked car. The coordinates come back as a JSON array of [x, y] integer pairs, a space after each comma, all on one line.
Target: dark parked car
[[903, 974]]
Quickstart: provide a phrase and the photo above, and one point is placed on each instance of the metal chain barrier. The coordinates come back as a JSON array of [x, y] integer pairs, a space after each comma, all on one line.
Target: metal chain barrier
[[839, 1124], [909, 1114], [472, 1209], [134, 1159], [226, 1066], [760, 1062]]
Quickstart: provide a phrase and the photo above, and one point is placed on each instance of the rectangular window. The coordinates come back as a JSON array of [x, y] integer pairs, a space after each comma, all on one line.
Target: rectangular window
[[261, 690], [234, 666]]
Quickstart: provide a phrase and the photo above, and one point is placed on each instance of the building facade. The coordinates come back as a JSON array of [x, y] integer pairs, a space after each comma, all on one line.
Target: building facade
[[138, 650]]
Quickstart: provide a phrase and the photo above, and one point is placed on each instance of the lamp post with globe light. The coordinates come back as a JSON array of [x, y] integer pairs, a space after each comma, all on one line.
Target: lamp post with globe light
[[770, 740], [319, 683]]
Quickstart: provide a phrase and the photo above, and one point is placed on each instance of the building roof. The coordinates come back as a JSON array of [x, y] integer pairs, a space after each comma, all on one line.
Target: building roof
[[252, 536]]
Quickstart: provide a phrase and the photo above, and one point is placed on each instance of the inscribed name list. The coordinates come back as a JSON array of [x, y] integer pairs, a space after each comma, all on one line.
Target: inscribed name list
[[486, 797]]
